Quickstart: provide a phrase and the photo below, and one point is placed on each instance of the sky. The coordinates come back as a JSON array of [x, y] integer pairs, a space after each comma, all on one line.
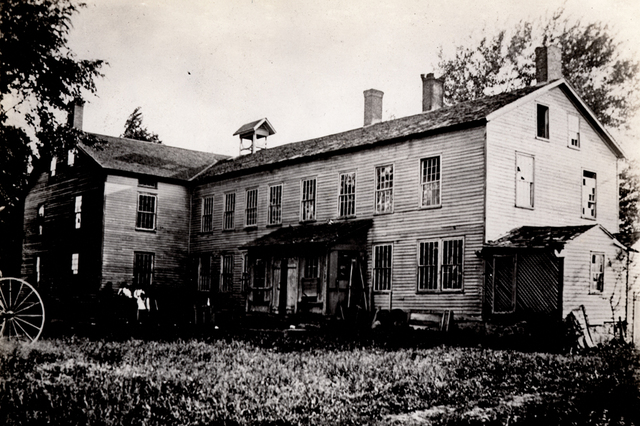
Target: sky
[[200, 69]]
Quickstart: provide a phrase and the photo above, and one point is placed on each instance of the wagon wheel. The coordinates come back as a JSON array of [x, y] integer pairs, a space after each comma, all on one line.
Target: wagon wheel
[[21, 311]]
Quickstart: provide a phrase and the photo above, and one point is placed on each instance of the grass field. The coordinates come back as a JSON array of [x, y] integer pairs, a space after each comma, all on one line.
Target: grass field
[[262, 380]]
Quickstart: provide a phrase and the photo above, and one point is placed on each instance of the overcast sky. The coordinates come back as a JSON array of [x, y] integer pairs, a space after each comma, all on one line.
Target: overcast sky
[[202, 68]]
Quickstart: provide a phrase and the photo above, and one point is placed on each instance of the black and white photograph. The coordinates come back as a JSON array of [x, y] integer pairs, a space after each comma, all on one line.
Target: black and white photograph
[[291, 212]]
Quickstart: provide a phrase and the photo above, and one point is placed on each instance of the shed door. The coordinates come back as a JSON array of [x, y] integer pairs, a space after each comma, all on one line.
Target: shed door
[[504, 285]]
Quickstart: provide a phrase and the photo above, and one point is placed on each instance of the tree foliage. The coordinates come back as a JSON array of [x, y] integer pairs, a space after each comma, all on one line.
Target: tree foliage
[[133, 128], [592, 61], [629, 199], [39, 78]]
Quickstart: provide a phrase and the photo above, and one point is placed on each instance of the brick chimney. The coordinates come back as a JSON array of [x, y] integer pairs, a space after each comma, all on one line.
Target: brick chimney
[[548, 64], [76, 114], [372, 106], [432, 92]]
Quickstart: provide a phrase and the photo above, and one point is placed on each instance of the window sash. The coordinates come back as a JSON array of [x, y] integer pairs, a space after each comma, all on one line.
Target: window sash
[[524, 180], [229, 211], [384, 189], [428, 266], [308, 200], [204, 272], [542, 121], [597, 272], [226, 273], [440, 265], [71, 157], [589, 185], [78, 211], [275, 205], [382, 260], [430, 180], [207, 214], [251, 212], [146, 212], [451, 269], [143, 269], [347, 195], [573, 125], [75, 263], [311, 267]]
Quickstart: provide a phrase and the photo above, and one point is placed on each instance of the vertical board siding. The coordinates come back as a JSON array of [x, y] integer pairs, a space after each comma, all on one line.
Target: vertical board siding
[[557, 174], [460, 215]]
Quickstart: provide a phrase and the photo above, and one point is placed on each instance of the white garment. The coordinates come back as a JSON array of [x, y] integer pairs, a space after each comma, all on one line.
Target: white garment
[[141, 298]]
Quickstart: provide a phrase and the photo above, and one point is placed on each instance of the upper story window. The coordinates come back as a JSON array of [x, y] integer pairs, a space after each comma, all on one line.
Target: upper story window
[[542, 118], [226, 273], [146, 182], [588, 194], [71, 157], [524, 180], [75, 263], [275, 205], [347, 195], [78, 211], [382, 261], [384, 189], [40, 219], [573, 126], [54, 164], [146, 218], [206, 225], [597, 273], [308, 200], [229, 211], [430, 181], [440, 265], [251, 209]]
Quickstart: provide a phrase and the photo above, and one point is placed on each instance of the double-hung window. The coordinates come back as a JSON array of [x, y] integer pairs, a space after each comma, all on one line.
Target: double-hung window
[[384, 189], [251, 209], [382, 263], [142, 269], [573, 126], [347, 195], [204, 272], [75, 263], [226, 273], [71, 157], [275, 205], [78, 211], [146, 218], [524, 180], [588, 194], [229, 210], [430, 181], [597, 272], [207, 214], [542, 121], [440, 265], [308, 200]]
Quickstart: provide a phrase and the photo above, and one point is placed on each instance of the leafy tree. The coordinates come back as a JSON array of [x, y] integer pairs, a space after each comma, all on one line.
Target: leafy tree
[[629, 199], [133, 128], [39, 77]]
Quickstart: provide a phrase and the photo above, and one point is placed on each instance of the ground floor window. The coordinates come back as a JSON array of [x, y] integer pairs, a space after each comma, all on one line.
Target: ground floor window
[[143, 269], [226, 275], [382, 257], [597, 272], [440, 264], [204, 272]]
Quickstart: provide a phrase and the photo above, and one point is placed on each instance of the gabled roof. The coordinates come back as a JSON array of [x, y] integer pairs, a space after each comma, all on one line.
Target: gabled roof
[[250, 128], [540, 236], [148, 158], [464, 113]]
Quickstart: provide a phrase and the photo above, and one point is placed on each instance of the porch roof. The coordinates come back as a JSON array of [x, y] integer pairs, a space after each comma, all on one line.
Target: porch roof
[[532, 237], [323, 234]]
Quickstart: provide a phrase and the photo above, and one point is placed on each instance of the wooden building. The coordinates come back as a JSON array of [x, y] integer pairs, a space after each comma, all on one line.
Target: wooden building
[[500, 206]]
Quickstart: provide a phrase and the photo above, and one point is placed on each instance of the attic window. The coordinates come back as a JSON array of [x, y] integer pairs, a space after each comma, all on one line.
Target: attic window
[[542, 121], [573, 125], [71, 157], [147, 183]]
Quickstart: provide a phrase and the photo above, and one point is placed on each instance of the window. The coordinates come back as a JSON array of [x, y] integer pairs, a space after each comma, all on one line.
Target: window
[[229, 210], [573, 125], [78, 211], [384, 189], [54, 164], [71, 157], [311, 267], [347, 196], [75, 263], [275, 205], [524, 180], [597, 272], [226, 273], [146, 212], [142, 269], [38, 269], [542, 121], [40, 219], [382, 255], [308, 200], [146, 182], [440, 265], [588, 195], [204, 272], [251, 212], [206, 224], [310, 284], [430, 181]]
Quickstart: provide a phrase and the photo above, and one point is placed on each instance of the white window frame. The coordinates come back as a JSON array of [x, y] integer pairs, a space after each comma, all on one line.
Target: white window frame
[[589, 197], [424, 182], [593, 278], [228, 215], [547, 130], [71, 157], [383, 191], [146, 212], [573, 129], [525, 185], [347, 194], [54, 164], [439, 244], [77, 209], [304, 201], [274, 212], [206, 218], [251, 211], [375, 268], [75, 263]]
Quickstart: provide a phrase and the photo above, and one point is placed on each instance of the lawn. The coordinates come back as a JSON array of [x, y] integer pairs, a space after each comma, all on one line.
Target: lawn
[[267, 380]]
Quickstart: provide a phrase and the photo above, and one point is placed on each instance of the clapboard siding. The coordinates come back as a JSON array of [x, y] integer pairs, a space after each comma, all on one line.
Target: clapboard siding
[[558, 169], [168, 243], [461, 213], [599, 307], [60, 237]]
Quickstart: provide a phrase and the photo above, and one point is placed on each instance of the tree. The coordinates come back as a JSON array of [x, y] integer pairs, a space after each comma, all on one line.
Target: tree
[[39, 78], [592, 61], [133, 128]]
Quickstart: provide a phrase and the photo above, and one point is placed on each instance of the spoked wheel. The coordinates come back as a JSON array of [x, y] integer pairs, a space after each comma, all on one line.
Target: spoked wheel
[[21, 311]]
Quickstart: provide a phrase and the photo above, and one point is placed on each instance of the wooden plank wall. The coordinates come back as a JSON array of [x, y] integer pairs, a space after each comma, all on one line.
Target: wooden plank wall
[[558, 170], [168, 243], [461, 213]]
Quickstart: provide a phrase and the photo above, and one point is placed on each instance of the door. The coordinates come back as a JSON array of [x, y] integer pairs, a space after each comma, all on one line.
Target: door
[[344, 286], [282, 286], [504, 285]]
